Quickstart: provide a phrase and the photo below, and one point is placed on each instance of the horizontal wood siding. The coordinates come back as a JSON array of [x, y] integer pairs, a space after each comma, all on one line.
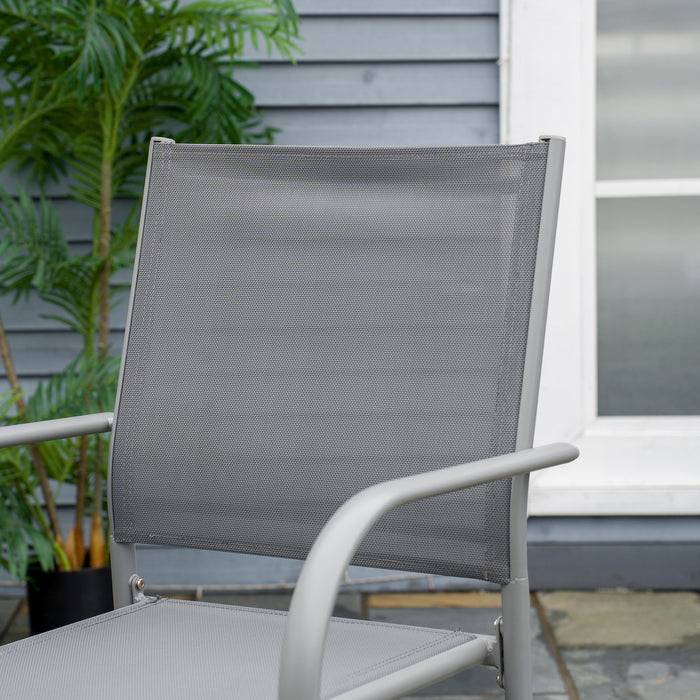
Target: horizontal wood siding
[[366, 83], [339, 8], [385, 73], [385, 127], [394, 38]]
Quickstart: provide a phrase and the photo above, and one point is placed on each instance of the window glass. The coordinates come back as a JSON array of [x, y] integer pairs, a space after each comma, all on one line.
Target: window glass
[[648, 89], [649, 306]]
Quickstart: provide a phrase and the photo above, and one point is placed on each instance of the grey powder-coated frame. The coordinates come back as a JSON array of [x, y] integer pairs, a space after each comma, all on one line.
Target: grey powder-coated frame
[[312, 604]]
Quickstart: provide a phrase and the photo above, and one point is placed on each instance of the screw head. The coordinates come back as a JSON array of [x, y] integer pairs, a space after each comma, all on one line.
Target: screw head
[[139, 584]]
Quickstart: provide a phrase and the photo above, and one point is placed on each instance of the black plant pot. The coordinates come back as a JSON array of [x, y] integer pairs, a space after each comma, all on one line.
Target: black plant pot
[[57, 598]]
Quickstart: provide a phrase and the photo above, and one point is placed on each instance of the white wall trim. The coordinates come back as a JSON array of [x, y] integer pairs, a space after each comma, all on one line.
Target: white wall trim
[[686, 187], [645, 427], [505, 9]]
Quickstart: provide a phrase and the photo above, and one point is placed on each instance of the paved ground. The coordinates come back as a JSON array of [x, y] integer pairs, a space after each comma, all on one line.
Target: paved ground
[[586, 646], [628, 645]]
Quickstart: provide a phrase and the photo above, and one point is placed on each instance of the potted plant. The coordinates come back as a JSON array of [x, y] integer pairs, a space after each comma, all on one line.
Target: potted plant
[[87, 83]]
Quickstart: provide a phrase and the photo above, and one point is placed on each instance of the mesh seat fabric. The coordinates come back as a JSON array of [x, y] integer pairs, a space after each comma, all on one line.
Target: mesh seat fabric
[[163, 649], [308, 322]]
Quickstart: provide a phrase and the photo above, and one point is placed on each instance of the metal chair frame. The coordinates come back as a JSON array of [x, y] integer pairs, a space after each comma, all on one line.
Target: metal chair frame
[[316, 590]]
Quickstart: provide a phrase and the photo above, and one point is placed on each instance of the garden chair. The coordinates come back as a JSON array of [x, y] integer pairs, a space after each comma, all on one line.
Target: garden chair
[[331, 354]]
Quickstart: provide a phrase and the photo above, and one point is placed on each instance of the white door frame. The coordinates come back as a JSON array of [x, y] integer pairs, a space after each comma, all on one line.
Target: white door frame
[[628, 465]]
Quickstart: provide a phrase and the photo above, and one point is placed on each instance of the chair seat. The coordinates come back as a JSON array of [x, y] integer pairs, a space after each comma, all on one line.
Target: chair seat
[[165, 648]]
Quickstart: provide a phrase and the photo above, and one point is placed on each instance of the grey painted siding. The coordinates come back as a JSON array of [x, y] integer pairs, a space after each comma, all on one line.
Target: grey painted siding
[[386, 73], [373, 72]]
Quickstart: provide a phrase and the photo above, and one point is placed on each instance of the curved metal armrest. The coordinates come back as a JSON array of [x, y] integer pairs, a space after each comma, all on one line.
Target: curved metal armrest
[[29, 433], [317, 587]]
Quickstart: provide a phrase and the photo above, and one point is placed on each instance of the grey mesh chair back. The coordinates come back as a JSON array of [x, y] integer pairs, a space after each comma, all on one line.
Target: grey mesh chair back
[[307, 322]]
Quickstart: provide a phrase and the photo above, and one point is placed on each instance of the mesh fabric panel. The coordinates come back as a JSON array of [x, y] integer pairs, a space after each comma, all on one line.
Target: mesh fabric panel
[[165, 649], [307, 322]]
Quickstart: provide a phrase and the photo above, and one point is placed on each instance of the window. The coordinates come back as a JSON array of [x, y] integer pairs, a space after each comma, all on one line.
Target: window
[[621, 374], [648, 208]]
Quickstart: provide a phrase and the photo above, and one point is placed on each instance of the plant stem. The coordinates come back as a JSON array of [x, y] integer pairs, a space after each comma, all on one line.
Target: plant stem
[[103, 252], [82, 481], [25, 489], [76, 539], [103, 249], [33, 449], [98, 553]]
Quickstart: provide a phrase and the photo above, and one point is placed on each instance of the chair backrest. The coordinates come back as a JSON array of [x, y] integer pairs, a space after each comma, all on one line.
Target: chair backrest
[[305, 322]]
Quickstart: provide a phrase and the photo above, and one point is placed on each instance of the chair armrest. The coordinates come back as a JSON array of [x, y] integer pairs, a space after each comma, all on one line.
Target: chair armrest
[[30, 433], [322, 573]]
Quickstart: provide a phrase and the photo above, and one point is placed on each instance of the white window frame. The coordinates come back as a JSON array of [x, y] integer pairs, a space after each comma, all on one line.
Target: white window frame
[[628, 465]]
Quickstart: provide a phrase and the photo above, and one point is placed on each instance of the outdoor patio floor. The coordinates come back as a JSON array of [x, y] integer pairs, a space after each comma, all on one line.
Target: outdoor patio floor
[[586, 645]]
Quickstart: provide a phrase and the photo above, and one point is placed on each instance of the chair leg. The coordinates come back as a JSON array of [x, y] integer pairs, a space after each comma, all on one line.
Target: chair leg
[[516, 640]]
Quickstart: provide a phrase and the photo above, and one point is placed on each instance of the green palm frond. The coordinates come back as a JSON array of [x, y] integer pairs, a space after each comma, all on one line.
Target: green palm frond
[[176, 63], [36, 257], [33, 246], [228, 22], [74, 292], [124, 242], [102, 41], [19, 534], [23, 525], [86, 385], [35, 110], [287, 18]]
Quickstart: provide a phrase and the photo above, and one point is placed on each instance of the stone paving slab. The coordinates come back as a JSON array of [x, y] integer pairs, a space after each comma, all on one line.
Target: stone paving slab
[[536, 696], [8, 606], [635, 674], [628, 645], [618, 619], [15, 622]]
